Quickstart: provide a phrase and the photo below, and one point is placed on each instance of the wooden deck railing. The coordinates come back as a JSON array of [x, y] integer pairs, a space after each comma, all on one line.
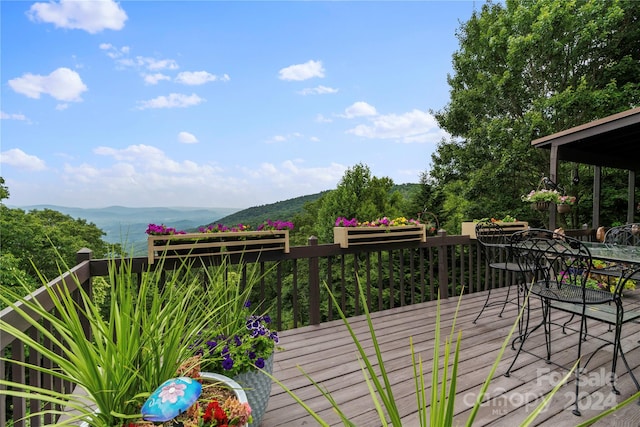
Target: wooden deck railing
[[393, 274]]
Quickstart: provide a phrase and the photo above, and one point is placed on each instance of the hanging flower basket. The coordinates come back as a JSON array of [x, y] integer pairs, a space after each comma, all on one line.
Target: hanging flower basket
[[563, 209], [540, 206]]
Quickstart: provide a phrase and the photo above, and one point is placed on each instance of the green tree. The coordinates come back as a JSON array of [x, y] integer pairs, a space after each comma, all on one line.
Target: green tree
[[13, 277], [358, 195], [4, 191], [527, 69], [38, 237]]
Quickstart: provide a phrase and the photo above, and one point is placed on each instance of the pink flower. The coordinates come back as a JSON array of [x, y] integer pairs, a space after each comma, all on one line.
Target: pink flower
[[171, 392]]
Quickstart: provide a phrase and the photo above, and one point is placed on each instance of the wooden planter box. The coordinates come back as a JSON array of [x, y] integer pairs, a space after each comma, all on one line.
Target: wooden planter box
[[469, 228], [216, 244], [354, 236]]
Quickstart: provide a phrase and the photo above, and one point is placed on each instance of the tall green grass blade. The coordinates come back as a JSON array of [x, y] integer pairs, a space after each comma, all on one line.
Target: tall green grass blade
[[326, 394], [386, 393], [374, 397], [494, 367], [610, 410], [532, 416]]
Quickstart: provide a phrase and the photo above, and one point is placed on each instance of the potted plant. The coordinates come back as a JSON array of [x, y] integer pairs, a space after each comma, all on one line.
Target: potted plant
[[351, 232], [564, 203], [242, 352], [541, 199]]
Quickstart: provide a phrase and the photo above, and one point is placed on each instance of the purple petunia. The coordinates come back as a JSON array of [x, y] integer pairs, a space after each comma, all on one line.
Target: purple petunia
[[275, 225], [227, 363], [162, 230], [238, 353]]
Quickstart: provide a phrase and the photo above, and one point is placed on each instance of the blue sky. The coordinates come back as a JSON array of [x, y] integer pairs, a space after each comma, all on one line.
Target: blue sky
[[217, 104]]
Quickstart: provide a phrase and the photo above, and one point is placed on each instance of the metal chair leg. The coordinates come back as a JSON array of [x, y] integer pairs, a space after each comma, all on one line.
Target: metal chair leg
[[486, 303]]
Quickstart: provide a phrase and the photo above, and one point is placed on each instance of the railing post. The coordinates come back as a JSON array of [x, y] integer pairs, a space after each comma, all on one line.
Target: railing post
[[83, 255], [443, 268], [314, 285]]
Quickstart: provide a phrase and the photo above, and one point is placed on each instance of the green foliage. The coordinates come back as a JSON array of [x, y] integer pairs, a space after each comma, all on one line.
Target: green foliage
[[13, 279], [516, 79], [42, 235], [236, 349], [284, 210], [4, 190], [358, 195]]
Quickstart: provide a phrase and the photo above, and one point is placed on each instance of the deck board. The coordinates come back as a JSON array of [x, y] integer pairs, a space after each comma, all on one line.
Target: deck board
[[327, 354]]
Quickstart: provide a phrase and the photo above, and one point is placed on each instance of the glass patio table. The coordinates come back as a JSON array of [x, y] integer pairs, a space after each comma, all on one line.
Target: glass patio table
[[615, 253], [625, 257]]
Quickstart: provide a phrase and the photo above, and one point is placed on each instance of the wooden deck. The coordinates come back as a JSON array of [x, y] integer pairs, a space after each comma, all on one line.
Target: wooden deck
[[327, 353]]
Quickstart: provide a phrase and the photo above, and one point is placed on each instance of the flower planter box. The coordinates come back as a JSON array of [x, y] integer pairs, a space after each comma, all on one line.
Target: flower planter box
[[355, 236], [216, 244], [469, 228]]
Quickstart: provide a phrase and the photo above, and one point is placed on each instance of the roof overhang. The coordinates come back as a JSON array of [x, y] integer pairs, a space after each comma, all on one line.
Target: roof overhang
[[613, 141]]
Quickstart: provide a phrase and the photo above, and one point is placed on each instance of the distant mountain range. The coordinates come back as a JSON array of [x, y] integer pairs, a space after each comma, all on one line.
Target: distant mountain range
[[128, 225]]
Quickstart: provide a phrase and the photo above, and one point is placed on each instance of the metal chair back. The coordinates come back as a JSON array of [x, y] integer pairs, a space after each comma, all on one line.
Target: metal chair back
[[628, 235], [495, 244], [562, 264]]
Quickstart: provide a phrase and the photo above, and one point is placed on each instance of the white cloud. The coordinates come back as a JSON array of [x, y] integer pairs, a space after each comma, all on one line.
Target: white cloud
[[322, 119], [62, 107], [278, 138], [121, 57], [91, 16], [113, 52], [359, 109], [153, 79], [288, 173], [174, 100], [21, 160], [187, 138], [284, 138], [62, 84], [199, 77], [304, 71], [295, 178], [152, 177], [156, 64], [318, 90], [6, 116], [414, 126]]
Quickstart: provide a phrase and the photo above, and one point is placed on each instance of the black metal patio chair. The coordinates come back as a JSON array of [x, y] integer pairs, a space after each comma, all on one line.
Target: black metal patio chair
[[628, 235], [563, 267], [495, 247]]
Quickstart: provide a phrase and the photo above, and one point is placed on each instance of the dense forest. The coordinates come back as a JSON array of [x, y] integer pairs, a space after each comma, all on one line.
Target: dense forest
[[526, 69]]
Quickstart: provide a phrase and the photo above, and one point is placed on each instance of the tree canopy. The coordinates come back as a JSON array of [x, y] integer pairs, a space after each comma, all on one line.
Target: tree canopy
[[44, 237], [523, 70], [358, 195]]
